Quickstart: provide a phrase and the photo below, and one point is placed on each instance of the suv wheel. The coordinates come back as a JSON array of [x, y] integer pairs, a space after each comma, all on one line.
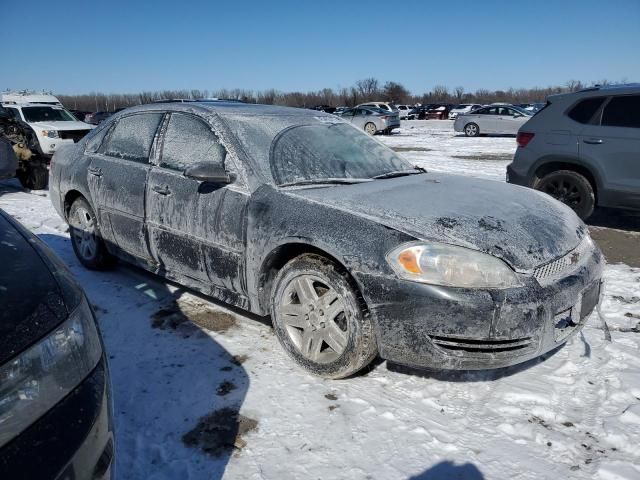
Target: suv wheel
[[370, 128], [320, 318], [471, 130], [570, 188]]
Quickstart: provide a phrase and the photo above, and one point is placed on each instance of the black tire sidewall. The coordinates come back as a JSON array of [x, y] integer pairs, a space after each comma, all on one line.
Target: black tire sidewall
[[586, 209], [361, 345]]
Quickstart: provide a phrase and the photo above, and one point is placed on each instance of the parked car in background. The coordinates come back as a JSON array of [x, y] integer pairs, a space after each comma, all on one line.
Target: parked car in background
[[494, 119], [372, 120], [340, 109], [463, 108], [438, 111], [25, 97], [53, 125], [55, 407], [81, 115], [324, 108], [98, 117], [418, 113], [583, 149], [403, 111], [530, 107], [387, 106], [349, 248]]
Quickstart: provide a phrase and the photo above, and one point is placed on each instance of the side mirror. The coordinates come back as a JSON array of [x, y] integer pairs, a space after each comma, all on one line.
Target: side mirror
[[209, 173]]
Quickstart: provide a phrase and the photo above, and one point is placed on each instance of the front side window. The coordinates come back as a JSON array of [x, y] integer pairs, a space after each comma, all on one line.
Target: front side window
[[47, 114], [132, 137], [338, 151], [622, 111], [584, 110], [189, 140]]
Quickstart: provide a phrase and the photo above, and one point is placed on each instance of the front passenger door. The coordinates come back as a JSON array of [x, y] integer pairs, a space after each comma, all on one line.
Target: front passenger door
[[195, 229]]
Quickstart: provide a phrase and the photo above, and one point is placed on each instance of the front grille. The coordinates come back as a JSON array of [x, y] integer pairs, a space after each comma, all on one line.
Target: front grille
[[474, 345], [564, 264], [75, 135]]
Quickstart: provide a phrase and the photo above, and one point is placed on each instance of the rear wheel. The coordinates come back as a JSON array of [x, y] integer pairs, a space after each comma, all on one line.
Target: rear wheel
[[471, 130], [320, 318], [86, 239], [34, 177], [570, 188], [370, 128]]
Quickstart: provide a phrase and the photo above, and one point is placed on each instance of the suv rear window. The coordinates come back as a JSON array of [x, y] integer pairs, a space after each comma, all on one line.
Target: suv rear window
[[585, 109], [623, 111]]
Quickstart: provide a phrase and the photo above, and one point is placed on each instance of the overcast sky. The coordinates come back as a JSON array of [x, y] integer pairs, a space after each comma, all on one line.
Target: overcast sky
[[128, 46]]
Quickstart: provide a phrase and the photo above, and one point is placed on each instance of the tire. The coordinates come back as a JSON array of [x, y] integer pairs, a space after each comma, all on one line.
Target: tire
[[321, 319], [370, 128], [35, 177], [471, 130], [570, 188], [86, 239]]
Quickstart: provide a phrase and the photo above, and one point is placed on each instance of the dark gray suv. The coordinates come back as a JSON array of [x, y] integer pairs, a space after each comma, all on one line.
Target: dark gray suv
[[583, 149]]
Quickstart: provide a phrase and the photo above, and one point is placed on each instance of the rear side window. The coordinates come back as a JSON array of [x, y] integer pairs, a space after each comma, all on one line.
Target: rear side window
[[623, 111], [584, 110], [189, 140], [132, 137]]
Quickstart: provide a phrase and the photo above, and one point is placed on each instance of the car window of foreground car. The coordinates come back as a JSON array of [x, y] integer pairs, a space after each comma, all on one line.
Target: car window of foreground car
[[328, 152]]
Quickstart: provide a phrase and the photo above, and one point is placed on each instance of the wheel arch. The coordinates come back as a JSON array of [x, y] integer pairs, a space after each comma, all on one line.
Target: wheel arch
[[70, 197], [551, 164], [279, 256]]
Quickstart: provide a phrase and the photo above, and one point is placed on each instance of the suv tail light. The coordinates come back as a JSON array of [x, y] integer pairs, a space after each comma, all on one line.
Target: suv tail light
[[523, 138]]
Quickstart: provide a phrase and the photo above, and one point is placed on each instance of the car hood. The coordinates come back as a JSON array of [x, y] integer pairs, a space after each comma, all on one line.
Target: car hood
[[523, 227], [62, 125], [31, 299]]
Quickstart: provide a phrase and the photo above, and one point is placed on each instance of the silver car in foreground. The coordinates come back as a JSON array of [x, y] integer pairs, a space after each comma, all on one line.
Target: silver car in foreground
[[496, 119], [372, 120]]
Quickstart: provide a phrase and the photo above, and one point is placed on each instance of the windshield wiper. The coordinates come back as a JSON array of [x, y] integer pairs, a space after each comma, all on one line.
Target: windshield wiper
[[400, 173], [327, 181]]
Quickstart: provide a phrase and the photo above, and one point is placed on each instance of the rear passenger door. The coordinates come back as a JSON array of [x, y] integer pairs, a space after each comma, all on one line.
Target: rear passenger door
[[117, 176], [612, 142], [485, 118], [195, 229]]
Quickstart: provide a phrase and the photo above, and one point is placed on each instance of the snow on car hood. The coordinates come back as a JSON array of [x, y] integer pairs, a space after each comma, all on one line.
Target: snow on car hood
[[523, 227], [62, 125]]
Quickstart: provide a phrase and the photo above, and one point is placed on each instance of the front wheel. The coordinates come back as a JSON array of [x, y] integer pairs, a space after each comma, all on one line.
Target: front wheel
[[370, 128], [320, 318], [471, 130], [572, 189], [86, 239]]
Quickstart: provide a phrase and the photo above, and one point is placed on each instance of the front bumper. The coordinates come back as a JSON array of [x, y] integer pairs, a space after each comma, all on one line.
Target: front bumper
[[49, 146], [72, 441], [467, 329]]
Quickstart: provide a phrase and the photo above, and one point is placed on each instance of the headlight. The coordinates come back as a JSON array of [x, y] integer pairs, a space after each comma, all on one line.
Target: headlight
[[38, 378], [441, 264], [50, 133]]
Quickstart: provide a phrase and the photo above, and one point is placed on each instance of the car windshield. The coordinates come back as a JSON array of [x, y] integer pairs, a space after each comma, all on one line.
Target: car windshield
[[316, 153], [47, 114]]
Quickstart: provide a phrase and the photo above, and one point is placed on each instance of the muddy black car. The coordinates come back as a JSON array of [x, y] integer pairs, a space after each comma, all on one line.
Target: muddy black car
[[350, 249], [55, 417]]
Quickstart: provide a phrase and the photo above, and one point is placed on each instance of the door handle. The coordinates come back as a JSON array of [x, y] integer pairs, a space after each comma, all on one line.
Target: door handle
[[593, 141], [161, 190], [96, 172]]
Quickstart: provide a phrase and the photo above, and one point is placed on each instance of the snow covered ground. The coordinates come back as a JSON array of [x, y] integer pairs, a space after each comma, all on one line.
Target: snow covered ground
[[176, 359]]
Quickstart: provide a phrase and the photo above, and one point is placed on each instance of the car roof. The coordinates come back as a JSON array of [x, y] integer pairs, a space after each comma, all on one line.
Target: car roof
[[599, 90]]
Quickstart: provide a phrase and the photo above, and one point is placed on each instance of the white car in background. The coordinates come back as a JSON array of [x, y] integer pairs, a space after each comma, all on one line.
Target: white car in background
[[403, 111], [53, 125], [388, 106], [495, 119], [463, 108]]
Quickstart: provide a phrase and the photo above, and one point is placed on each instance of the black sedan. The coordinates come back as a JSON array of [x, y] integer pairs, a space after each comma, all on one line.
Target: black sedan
[[55, 417], [350, 249]]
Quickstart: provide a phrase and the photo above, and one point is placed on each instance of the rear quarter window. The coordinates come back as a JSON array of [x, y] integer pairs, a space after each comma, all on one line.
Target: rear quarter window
[[584, 110]]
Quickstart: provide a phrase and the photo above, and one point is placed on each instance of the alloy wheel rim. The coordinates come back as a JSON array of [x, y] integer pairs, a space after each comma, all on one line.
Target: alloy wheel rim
[[564, 191], [471, 129], [84, 233], [371, 129], [314, 317]]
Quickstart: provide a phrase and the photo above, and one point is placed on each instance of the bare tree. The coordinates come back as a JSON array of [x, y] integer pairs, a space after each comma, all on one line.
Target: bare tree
[[368, 88], [459, 93], [395, 92]]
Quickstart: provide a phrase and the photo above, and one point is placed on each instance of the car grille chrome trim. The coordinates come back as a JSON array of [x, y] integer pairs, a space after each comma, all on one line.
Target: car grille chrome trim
[[564, 264]]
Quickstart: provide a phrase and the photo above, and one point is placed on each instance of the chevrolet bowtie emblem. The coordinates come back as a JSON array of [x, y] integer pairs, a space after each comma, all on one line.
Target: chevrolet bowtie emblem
[[574, 258]]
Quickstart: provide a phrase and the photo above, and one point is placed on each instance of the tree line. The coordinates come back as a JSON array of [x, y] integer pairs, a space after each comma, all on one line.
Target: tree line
[[368, 89]]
